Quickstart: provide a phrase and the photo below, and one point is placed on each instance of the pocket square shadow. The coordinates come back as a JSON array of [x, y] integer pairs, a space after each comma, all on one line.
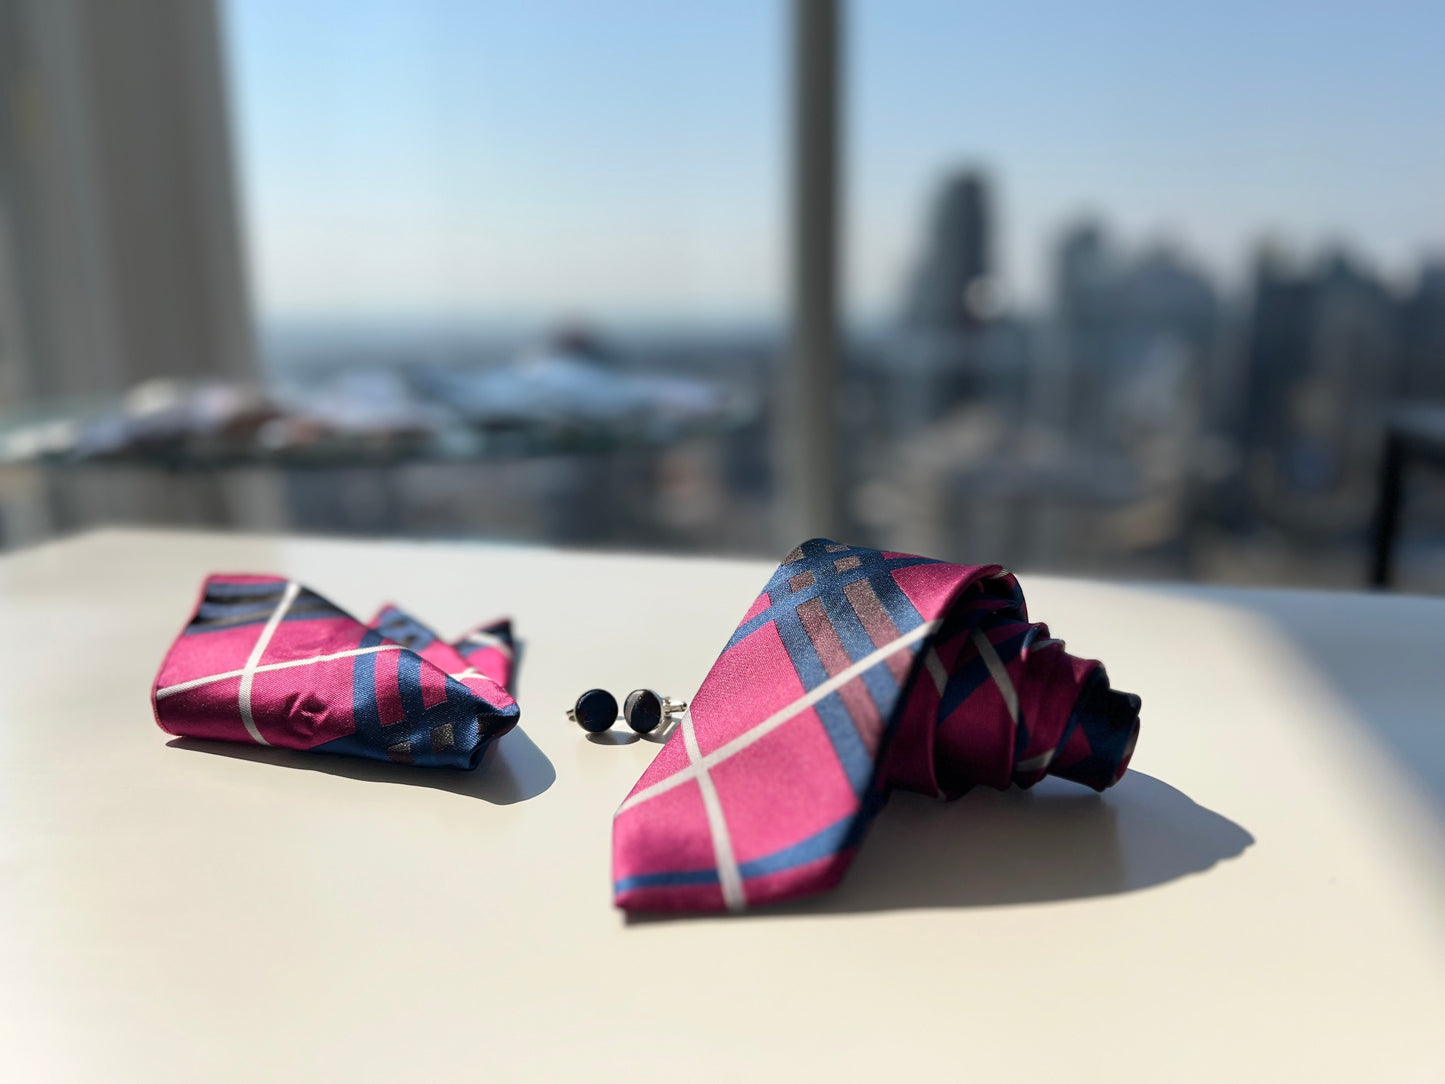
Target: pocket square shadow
[[1057, 841], [514, 770]]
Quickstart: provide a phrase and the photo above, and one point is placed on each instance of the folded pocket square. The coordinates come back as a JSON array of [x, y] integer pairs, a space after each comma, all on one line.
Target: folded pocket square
[[266, 661]]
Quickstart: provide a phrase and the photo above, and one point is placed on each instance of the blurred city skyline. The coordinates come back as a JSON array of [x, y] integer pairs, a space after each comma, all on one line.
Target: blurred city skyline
[[624, 162], [1128, 291]]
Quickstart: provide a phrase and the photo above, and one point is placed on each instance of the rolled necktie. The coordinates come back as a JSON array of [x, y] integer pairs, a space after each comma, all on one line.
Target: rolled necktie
[[266, 661], [855, 672]]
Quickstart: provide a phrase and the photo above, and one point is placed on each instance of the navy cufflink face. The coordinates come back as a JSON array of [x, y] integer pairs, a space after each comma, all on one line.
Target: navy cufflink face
[[595, 711], [645, 711]]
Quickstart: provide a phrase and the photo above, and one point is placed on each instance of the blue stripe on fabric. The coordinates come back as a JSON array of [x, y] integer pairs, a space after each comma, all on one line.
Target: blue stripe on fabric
[[475, 723], [878, 680], [838, 836], [365, 714], [408, 679], [244, 590], [400, 626], [819, 845], [895, 600], [965, 680], [853, 755], [227, 611], [212, 609], [825, 578], [302, 607], [664, 880]]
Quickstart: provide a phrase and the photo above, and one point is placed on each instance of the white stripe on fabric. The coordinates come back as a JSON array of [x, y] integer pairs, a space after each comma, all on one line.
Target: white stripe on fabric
[[194, 683], [934, 665], [728, 874], [1034, 764], [999, 673], [248, 673], [778, 718]]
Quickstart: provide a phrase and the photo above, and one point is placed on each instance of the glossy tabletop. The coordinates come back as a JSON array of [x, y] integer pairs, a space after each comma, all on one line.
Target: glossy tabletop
[[1261, 898]]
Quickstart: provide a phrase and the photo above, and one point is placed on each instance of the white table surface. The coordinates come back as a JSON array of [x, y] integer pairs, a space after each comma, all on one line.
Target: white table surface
[[1261, 898]]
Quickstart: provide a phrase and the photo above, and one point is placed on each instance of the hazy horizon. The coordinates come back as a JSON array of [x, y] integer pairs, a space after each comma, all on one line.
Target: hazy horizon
[[624, 162]]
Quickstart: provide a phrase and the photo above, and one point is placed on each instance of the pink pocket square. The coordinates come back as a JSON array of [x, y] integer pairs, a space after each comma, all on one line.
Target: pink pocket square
[[266, 661]]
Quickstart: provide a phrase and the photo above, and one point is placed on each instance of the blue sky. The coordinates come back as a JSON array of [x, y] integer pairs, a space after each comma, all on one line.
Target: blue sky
[[625, 161]]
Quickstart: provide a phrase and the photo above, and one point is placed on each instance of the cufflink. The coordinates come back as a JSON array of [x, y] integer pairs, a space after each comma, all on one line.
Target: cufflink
[[595, 710], [644, 710]]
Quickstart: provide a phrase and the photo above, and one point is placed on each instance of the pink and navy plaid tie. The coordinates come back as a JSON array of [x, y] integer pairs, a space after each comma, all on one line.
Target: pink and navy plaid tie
[[266, 661], [853, 673]]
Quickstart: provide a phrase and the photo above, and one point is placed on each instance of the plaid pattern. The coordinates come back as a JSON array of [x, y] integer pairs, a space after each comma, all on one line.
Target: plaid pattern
[[491, 649], [854, 672], [267, 661]]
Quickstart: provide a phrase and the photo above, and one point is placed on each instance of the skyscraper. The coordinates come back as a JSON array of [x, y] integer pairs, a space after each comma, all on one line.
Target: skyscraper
[[1423, 336], [953, 289], [1321, 366]]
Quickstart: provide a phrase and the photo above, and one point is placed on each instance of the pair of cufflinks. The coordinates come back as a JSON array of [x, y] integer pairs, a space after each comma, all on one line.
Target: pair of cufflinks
[[596, 710]]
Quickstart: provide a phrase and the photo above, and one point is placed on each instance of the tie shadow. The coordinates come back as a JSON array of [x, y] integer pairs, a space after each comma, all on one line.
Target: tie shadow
[[514, 770], [1055, 842]]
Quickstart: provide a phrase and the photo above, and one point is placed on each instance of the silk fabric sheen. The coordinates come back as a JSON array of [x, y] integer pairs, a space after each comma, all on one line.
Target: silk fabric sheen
[[854, 672], [266, 661]]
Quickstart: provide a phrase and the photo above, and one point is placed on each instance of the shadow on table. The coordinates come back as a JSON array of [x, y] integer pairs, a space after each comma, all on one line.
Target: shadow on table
[[513, 771], [623, 735], [1055, 842]]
